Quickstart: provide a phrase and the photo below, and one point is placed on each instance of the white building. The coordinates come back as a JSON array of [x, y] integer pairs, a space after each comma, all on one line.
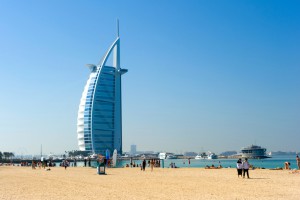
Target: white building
[[99, 123]]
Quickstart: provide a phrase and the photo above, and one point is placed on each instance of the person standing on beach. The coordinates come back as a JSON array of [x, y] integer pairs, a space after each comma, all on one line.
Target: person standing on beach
[[85, 162], [239, 167], [45, 163], [75, 162], [298, 161], [144, 164], [152, 164], [131, 162], [65, 164], [33, 164], [89, 162], [246, 168]]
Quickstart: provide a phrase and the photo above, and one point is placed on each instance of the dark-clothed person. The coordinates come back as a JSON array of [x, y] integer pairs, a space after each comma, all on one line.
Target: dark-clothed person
[[144, 164], [239, 167]]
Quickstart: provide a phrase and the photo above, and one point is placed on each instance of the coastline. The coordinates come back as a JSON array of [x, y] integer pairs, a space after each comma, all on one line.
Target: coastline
[[132, 183], [271, 163]]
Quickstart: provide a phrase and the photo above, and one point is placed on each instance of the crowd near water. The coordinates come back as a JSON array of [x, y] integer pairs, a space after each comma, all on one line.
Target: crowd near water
[[269, 163]]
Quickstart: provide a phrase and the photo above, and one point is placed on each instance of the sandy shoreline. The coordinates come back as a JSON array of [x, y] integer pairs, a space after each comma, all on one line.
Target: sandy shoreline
[[131, 183]]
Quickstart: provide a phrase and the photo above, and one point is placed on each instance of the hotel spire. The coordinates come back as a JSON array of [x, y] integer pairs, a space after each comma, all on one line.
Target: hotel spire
[[118, 28]]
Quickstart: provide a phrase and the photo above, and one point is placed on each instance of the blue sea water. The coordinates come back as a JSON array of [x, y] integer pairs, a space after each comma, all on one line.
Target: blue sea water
[[269, 163]]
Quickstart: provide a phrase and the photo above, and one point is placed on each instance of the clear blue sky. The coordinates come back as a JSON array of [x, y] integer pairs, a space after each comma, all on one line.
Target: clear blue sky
[[203, 75]]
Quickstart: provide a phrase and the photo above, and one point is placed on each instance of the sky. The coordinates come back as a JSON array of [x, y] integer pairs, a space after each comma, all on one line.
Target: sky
[[202, 75]]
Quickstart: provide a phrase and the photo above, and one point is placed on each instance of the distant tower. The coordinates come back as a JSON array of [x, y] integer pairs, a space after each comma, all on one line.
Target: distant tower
[[133, 149], [99, 123]]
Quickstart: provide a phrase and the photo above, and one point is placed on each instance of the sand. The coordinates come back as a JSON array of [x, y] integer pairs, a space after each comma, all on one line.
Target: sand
[[131, 183]]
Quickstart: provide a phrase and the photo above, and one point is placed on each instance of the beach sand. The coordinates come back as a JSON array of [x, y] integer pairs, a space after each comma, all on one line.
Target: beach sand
[[132, 183]]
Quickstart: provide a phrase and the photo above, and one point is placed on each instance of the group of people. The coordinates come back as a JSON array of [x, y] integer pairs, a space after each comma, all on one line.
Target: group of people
[[287, 165], [142, 165], [213, 167], [87, 161], [39, 164], [44, 163], [151, 163], [172, 165], [243, 168]]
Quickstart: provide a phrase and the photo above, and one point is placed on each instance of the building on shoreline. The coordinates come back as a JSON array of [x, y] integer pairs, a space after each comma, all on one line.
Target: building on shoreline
[[133, 149], [99, 122]]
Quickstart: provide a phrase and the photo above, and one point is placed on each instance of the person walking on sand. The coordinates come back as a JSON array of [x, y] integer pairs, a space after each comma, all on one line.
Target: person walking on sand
[[144, 164], [298, 161], [75, 162], [152, 164], [65, 164], [246, 168], [89, 162], [33, 164], [239, 167]]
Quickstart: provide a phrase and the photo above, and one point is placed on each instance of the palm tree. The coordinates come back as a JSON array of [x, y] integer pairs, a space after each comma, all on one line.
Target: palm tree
[[6, 155], [11, 155]]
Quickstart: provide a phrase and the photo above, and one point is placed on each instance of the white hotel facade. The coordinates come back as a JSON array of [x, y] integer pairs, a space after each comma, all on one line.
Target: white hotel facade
[[99, 123]]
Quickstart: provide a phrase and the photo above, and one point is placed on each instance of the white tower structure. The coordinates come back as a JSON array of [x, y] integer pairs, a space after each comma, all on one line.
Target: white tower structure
[[99, 122]]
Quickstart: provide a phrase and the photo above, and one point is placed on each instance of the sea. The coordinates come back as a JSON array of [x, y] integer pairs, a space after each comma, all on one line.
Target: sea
[[276, 161]]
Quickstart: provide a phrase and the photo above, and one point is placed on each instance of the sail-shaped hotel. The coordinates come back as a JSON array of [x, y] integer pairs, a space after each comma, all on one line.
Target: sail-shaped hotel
[[99, 123]]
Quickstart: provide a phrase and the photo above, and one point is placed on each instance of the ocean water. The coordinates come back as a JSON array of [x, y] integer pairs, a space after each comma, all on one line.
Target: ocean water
[[269, 163]]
